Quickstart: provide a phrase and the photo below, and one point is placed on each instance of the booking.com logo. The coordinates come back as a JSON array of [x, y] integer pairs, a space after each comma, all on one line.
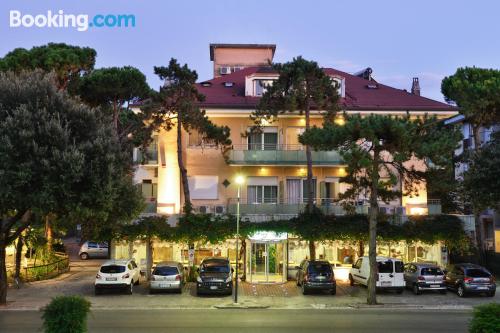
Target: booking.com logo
[[82, 22]]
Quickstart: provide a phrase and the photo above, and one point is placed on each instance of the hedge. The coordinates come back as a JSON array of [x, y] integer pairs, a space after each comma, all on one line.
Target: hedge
[[208, 228]]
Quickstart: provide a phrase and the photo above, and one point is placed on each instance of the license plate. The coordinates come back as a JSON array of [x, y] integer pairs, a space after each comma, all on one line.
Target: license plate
[[386, 283], [110, 279], [164, 285], [482, 288], [213, 287], [435, 286]]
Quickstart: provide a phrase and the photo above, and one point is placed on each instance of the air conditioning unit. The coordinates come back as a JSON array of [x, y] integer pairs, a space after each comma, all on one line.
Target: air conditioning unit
[[219, 209], [203, 209], [225, 70]]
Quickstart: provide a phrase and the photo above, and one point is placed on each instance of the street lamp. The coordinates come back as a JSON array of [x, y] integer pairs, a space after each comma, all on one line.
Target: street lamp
[[239, 181]]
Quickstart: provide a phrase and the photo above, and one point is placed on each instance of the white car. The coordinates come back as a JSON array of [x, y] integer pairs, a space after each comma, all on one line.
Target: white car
[[390, 273], [113, 274]]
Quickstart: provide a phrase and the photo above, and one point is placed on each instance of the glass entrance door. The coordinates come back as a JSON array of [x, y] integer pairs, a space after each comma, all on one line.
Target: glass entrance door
[[267, 262]]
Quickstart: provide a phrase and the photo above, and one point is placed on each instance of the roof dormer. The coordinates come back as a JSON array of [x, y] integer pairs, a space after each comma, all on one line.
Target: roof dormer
[[340, 81], [256, 84]]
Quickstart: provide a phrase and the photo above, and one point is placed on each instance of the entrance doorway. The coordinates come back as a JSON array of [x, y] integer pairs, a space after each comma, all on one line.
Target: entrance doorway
[[267, 262]]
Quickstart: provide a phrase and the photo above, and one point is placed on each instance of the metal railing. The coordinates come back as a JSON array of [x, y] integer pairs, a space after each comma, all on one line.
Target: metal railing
[[279, 154], [275, 206], [151, 205], [46, 271]]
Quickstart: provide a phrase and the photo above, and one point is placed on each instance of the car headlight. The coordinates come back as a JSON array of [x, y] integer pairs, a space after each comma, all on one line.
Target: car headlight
[[229, 279], [199, 279]]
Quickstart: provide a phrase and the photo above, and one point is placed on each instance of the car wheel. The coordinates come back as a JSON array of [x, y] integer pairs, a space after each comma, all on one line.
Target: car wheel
[[351, 280], [333, 291], [130, 288], [461, 291], [491, 293], [416, 289], [84, 256], [304, 289]]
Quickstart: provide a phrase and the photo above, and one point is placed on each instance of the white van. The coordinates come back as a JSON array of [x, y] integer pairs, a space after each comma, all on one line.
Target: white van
[[390, 273]]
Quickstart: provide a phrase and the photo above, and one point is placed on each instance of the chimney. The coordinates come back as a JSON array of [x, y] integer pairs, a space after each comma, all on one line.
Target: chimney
[[415, 87]]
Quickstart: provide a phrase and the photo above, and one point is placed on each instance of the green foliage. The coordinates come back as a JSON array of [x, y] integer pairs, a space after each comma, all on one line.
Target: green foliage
[[482, 179], [114, 89], [379, 146], [66, 61], [213, 229], [66, 314], [301, 85], [176, 106], [475, 91], [486, 319]]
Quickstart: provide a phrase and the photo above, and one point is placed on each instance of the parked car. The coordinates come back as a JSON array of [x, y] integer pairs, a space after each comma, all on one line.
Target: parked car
[[91, 249], [470, 279], [421, 277], [215, 276], [316, 275], [389, 275], [114, 274], [168, 275]]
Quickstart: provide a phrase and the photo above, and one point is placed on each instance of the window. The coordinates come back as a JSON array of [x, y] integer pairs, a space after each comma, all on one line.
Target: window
[[149, 190], [257, 194], [358, 263], [477, 273], [398, 267], [340, 82], [305, 189], [319, 268], [198, 140], [203, 187], [268, 140], [385, 266], [261, 86], [112, 269], [165, 270], [92, 245], [431, 271]]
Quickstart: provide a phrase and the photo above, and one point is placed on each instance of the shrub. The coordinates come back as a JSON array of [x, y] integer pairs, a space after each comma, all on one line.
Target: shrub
[[66, 314], [486, 319]]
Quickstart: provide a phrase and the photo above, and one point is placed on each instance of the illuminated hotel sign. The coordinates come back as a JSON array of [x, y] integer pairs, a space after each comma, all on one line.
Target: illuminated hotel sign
[[268, 236]]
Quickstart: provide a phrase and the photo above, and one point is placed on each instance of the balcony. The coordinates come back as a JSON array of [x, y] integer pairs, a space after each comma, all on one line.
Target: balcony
[[282, 209], [275, 154], [147, 157], [150, 206]]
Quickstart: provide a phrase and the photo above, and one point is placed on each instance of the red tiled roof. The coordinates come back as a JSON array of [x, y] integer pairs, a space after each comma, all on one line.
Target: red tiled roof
[[357, 95]]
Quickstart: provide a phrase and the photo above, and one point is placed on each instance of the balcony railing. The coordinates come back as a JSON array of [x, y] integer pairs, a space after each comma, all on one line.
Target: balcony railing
[[148, 157], [278, 154], [150, 206], [288, 207]]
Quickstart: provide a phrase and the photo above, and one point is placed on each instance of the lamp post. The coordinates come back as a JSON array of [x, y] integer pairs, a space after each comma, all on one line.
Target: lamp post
[[239, 180]]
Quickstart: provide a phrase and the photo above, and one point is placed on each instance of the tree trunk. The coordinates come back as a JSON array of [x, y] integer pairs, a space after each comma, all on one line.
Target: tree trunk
[[19, 252], [312, 250], [131, 249], [3, 271], [372, 251], [48, 232], [185, 186], [361, 249], [149, 258], [478, 225], [243, 254], [310, 190], [115, 116]]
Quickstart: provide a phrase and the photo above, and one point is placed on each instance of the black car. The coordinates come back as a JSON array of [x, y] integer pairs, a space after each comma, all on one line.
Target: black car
[[316, 275], [470, 279], [215, 276]]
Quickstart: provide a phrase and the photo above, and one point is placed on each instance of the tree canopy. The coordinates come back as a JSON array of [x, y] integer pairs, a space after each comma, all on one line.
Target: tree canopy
[[114, 88], [68, 62], [57, 156]]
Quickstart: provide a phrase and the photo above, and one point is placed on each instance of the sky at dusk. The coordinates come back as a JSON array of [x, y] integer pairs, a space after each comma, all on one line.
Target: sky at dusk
[[398, 39]]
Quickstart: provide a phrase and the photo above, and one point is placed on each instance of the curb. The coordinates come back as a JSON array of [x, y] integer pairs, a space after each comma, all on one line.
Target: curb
[[240, 306]]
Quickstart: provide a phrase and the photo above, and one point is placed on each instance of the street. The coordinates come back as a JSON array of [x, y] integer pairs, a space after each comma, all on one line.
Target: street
[[275, 321]]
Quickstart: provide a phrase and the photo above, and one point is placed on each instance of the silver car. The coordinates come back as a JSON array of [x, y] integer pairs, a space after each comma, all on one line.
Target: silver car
[[422, 276], [91, 249], [168, 275]]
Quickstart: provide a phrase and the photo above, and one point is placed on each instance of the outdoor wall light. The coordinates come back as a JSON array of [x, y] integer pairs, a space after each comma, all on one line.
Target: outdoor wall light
[[240, 180]]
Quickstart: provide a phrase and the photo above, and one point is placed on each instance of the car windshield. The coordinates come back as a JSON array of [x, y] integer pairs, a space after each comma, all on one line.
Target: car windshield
[[111, 269], [431, 271], [320, 268], [166, 270], [385, 266], [215, 267], [477, 273]]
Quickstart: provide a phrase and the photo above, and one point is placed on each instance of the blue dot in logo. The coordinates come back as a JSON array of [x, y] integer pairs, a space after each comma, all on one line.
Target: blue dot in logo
[[91, 24]]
